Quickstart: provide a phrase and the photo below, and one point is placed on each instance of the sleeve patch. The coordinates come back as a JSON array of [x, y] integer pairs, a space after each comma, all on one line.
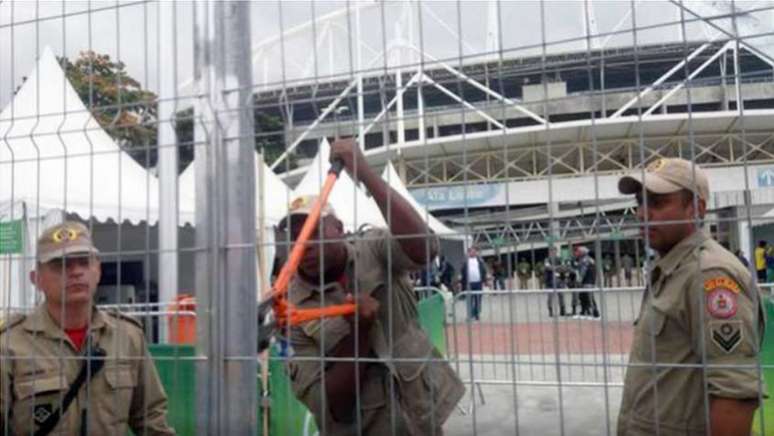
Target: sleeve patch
[[726, 335], [722, 303], [721, 282]]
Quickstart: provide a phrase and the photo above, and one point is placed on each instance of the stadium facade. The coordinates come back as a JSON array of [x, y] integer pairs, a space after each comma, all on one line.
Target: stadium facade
[[520, 144]]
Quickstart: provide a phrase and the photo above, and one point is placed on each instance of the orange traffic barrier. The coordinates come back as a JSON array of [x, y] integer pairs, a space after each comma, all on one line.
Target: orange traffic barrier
[[182, 325]]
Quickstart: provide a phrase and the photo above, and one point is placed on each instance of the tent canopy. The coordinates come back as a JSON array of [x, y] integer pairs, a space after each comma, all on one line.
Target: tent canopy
[[276, 194], [54, 155], [353, 207]]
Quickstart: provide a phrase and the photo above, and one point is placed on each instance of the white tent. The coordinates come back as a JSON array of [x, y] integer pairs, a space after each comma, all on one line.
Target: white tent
[[54, 155], [276, 194], [391, 177], [353, 207], [56, 159], [274, 205]]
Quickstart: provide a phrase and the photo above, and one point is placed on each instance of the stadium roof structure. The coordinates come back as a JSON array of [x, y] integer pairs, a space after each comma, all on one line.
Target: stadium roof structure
[[313, 44], [326, 76]]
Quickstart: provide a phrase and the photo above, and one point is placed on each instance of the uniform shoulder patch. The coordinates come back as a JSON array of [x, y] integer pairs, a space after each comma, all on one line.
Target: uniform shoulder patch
[[11, 321], [125, 317], [721, 297], [726, 335], [722, 282]]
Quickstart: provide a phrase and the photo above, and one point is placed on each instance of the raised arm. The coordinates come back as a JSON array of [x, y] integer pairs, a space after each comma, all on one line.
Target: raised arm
[[405, 223]]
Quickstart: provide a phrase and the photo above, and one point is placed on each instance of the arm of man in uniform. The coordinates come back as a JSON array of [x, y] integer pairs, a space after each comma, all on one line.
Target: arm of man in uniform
[[728, 328], [341, 377], [405, 223], [332, 337], [731, 417], [148, 411]]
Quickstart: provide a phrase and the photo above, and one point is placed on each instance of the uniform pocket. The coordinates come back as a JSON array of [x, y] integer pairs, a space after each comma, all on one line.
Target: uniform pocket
[[117, 401], [37, 400], [120, 377], [444, 389], [410, 354], [372, 391], [51, 385], [654, 322]]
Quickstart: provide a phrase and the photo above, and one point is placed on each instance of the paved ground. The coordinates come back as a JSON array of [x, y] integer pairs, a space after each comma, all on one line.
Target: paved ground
[[530, 374], [534, 410]]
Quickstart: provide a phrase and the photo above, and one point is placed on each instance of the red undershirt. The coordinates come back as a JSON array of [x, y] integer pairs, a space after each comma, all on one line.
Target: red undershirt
[[77, 336]]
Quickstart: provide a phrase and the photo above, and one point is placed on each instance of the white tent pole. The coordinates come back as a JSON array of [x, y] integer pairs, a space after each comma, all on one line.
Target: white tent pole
[[167, 161]]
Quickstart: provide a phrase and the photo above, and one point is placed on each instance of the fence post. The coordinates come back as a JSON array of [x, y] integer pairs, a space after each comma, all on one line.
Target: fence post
[[225, 203]]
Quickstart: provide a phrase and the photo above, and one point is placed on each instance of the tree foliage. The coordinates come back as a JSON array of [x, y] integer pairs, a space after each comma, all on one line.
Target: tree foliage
[[129, 113], [126, 111]]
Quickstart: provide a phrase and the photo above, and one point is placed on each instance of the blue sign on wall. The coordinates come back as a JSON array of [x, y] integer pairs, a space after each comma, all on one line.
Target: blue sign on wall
[[454, 197], [766, 177]]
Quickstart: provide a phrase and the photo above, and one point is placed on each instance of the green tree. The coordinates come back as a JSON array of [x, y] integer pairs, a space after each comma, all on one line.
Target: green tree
[[270, 137], [123, 108], [128, 112]]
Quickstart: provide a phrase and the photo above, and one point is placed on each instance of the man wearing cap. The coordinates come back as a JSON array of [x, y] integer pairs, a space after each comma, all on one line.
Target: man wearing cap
[[68, 367], [693, 363], [375, 373]]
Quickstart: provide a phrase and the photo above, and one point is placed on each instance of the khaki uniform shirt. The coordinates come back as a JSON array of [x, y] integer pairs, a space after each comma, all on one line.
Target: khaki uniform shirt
[[701, 311], [39, 363], [411, 389]]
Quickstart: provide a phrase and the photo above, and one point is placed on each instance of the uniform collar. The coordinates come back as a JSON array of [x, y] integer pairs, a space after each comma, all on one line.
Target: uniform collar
[[41, 321], [667, 264]]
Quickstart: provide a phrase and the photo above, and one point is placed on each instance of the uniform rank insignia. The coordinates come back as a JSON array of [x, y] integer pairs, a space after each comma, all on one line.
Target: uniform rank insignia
[[721, 297], [726, 334], [41, 413]]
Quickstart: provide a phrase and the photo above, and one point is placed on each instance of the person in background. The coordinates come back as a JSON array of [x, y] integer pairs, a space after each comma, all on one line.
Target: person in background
[[627, 262], [498, 274], [446, 273], [760, 261], [524, 270], [586, 279], [473, 272], [571, 279], [540, 273], [551, 266], [739, 255], [607, 270], [769, 263]]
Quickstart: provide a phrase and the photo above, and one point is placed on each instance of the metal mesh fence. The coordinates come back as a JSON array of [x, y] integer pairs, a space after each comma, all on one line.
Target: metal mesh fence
[[480, 266]]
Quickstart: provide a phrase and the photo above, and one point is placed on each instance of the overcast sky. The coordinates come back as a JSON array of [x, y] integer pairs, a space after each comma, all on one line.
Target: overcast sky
[[130, 32]]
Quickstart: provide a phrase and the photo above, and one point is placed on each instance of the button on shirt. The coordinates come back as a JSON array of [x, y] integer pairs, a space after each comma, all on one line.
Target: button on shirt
[[700, 314]]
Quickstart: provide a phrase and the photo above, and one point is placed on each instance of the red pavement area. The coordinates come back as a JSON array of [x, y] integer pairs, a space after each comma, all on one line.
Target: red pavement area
[[572, 337]]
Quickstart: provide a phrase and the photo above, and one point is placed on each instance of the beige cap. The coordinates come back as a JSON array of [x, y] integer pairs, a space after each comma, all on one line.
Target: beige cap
[[665, 176], [64, 239], [302, 205]]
